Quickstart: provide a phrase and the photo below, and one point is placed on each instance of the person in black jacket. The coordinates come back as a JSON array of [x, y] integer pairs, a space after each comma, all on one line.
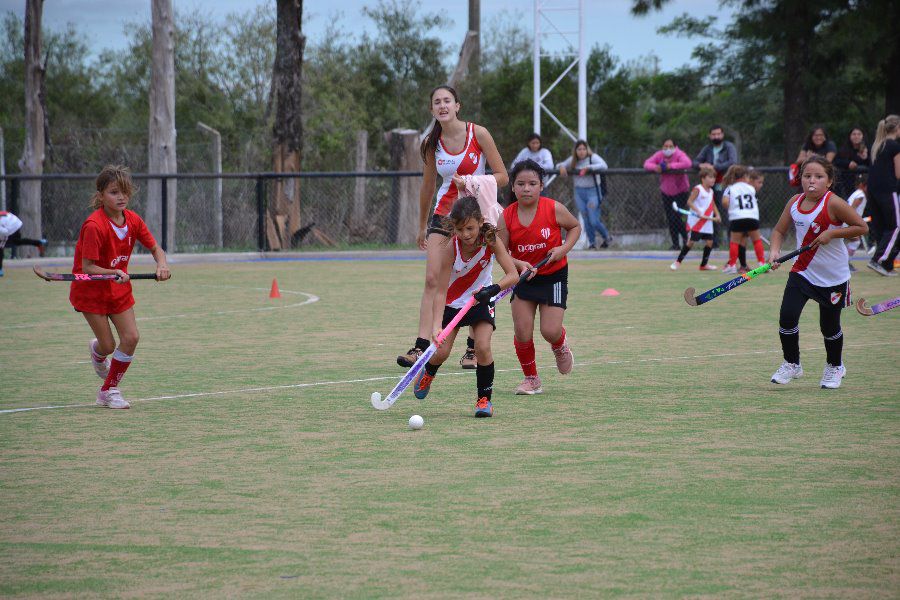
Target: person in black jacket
[[853, 154]]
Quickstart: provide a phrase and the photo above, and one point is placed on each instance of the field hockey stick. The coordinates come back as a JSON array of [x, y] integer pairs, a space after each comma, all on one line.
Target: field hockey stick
[[401, 386], [684, 211], [743, 278], [867, 311], [85, 277]]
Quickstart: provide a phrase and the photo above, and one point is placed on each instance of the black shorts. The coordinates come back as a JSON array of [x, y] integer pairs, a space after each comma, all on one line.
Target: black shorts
[[836, 296], [744, 225], [436, 225], [696, 236], [552, 289], [479, 312]]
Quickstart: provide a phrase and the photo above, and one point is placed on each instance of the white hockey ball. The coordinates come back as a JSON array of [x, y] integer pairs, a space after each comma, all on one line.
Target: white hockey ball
[[416, 422]]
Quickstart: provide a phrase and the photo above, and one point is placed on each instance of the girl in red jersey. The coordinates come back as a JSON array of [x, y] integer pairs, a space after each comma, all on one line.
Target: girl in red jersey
[[104, 246], [465, 264], [531, 227], [821, 274], [451, 149]]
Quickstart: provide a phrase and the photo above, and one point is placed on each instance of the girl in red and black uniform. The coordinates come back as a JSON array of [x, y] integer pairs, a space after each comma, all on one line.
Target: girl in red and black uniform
[[451, 149], [104, 246], [531, 227], [465, 265], [821, 274]]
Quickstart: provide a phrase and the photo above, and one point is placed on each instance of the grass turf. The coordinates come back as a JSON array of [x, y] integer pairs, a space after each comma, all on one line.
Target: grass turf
[[666, 464]]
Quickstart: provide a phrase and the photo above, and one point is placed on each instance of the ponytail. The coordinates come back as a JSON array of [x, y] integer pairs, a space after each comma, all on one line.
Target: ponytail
[[734, 173], [886, 126]]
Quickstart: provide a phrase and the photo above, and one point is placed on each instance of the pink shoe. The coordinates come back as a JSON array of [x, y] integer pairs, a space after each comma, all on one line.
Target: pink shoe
[[530, 386], [564, 359], [111, 398], [100, 368]]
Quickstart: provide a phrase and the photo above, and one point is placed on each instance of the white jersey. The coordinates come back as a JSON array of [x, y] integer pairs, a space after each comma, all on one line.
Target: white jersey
[[469, 276], [825, 265], [468, 162], [853, 243], [704, 205], [742, 201]]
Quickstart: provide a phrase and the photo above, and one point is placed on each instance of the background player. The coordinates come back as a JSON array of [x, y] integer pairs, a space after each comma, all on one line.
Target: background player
[[104, 246]]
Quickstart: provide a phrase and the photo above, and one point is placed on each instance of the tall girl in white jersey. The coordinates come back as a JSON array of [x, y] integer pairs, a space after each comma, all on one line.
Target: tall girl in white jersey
[[821, 273], [451, 149]]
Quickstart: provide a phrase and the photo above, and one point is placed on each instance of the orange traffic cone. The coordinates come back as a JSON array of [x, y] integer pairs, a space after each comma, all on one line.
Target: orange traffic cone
[[609, 292], [275, 293]]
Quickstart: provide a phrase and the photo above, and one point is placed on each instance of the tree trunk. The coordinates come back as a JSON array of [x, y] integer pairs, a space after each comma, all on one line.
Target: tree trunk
[[403, 218], [32, 162], [359, 226], [794, 93], [161, 146], [283, 216]]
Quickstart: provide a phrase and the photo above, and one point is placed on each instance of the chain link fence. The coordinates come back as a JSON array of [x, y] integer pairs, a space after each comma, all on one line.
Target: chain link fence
[[347, 210]]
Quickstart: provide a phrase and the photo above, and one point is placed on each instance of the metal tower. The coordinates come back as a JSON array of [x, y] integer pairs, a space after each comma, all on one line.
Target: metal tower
[[551, 38]]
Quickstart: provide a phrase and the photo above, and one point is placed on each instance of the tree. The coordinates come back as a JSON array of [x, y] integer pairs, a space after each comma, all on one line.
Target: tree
[[161, 145], [32, 162], [284, 210]]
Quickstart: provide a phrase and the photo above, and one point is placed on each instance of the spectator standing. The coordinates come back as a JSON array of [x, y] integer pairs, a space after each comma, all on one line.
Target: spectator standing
[[674, 187], [718, 154], [884, 200], [588, 194], [853, 154], [534, 150]]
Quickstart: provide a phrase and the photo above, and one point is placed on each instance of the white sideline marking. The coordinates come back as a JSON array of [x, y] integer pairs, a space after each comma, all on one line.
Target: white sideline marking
[[310, 298], [394, 377]]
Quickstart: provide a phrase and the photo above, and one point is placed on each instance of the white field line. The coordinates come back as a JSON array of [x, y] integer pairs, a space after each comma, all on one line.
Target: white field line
[[395, 377], [310, 298]]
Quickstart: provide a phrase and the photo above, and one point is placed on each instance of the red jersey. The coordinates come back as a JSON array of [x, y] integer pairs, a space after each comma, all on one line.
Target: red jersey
[[110, 247], [532, 242]]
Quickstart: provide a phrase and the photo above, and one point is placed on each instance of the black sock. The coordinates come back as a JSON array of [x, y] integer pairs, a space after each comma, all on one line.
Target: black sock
[[431, 369], [683, 253], [833, 347], [422, 344], [790, 344], [706, 251], [742, 255], [470, 343], [484, 375]]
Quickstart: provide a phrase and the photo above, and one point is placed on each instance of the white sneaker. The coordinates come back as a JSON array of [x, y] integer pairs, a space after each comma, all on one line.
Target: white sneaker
[[786, 372], [674, 266], [112, 398], [877, 268], [100, 368], [729, 269], [831, 376]]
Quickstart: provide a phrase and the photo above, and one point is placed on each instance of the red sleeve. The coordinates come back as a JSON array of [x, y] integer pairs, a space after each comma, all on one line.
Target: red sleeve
[[143, 235], [91, 241]]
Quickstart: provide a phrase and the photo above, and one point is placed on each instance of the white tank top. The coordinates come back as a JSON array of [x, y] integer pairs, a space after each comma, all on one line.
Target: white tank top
[[468, 162], [826, 265], [469, 276], [703, 204], [742, 201]]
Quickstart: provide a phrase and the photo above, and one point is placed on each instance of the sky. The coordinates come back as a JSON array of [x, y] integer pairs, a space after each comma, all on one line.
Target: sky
[[606, 21]]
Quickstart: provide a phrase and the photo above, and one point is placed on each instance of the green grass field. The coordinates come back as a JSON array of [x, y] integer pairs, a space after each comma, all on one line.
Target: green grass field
[[252, 464]]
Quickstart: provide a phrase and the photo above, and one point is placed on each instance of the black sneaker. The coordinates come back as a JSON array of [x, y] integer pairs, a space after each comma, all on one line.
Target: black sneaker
[[468, 359]]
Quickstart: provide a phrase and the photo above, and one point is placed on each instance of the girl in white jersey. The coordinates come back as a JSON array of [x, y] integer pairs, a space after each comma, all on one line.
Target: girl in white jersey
[[451, 149], [743, 215], [465, 263], [700, 221], [821, 273], [857, 202]]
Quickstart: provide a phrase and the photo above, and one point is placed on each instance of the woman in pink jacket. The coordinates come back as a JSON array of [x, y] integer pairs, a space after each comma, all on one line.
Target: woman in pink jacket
[[674, 186]]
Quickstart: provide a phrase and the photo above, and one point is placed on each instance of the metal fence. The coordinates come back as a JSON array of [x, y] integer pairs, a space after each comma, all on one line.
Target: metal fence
[[332, 202]]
